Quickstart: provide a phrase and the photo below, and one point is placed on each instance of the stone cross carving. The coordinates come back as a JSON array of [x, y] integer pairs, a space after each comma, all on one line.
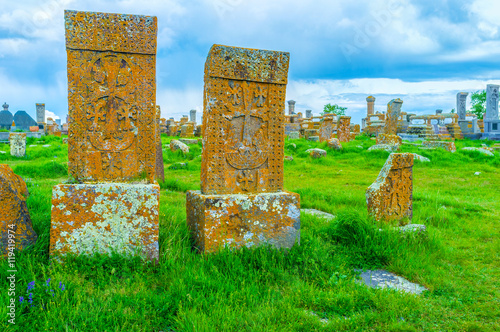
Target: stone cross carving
[[243, 121], [111, 96], [40, 113]]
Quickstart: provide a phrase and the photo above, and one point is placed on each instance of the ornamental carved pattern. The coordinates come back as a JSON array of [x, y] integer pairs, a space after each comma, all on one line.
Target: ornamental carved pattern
[[111, 97], [243, 122]]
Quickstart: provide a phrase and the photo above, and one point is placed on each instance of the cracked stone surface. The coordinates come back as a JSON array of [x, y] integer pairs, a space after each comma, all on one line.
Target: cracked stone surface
[[383, 279], [318, 213]]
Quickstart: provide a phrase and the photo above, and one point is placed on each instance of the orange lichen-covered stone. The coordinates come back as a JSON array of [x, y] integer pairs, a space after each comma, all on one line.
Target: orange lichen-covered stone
[[344, 129], [17, 144], [16, 228], [243, 118], [447, 145], [111, 95], [241, 202], [89, 218], [187, 130], [326, 128], [389, 198], [243, 220], [393, 114], [389, 139]]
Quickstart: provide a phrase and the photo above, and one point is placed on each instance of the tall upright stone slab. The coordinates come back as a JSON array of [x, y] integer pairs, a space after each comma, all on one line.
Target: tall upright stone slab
[[17, 144], [370, 105], [461, 101], [192, 116], [15, 222], [491, 119], [242, 202], [390, 197], [40, 113], [326, 128], [393, 114], [111, 95], [344, 128], [291, 107], [309, 114], [112, 139]]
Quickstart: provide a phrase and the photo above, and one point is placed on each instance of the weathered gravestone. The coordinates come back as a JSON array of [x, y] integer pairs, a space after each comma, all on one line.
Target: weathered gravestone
[[17, 144], [326, 128], [242, 202], [17, 230], [112, 138], [393, 114], [389, 198], [344, 129]]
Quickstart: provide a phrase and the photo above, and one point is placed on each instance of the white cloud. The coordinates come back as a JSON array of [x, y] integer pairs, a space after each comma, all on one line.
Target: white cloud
[[49, 114]]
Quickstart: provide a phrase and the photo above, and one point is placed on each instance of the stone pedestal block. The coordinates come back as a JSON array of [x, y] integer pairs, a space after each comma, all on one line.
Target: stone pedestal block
[[89, 218], [237, 220]]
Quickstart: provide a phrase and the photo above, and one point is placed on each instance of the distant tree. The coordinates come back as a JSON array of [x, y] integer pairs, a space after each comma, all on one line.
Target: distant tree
[[452, 110], [329, 108], [478, 100]]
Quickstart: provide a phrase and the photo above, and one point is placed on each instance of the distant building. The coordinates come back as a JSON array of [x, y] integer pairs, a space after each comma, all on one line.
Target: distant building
[[6, 119], [24, 121]]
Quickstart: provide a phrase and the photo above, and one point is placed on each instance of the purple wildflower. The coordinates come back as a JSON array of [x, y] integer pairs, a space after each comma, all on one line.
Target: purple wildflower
[[48, 281], [21, 299], [30, 298], [31, 285]]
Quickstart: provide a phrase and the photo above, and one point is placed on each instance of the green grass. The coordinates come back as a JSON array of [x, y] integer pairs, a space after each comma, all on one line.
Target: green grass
[[264, 289]]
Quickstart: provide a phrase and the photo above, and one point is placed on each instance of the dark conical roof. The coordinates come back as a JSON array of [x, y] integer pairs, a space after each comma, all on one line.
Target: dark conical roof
[[6, 118], [23, 120]]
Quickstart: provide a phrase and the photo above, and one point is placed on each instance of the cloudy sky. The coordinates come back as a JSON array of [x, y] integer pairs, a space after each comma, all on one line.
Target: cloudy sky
[[341, 51]]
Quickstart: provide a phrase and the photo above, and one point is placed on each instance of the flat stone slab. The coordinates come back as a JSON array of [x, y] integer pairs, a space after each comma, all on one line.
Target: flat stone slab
[[481, 150], [318, 213], [410, 228], [383, 279], [420, 158], [188, 141]]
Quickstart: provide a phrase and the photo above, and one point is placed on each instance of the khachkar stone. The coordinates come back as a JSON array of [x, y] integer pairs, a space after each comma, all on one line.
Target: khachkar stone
[[389, 198], [192, 116], [16, 227], [461, 99], [160, 170], [344, 128], [17, 144], [393, 114], [309, 114], [242, 202], [111, 95], [112, 139], [40, 113], [291, 107], [326, 128], [491, 102], [370, 105]]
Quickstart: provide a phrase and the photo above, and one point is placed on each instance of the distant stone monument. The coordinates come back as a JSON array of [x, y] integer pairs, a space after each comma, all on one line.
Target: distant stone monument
[[192, 116], [16, 227], [291, 107], [40, 113], [17, 144], [326, 128], [242, 202], [112, 138], [309, 114], [392, 116], [344, 128], [461, 100], [5, 106], [370, 105], [390, 197], [491, 119]]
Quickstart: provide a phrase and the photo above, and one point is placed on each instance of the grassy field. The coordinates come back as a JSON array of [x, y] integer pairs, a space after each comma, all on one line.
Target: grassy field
[[311, 287]]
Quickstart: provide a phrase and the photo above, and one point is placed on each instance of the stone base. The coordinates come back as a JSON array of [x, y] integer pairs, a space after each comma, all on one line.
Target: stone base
[[410, 137], [89, 218], [491, 136], [217, 221]]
